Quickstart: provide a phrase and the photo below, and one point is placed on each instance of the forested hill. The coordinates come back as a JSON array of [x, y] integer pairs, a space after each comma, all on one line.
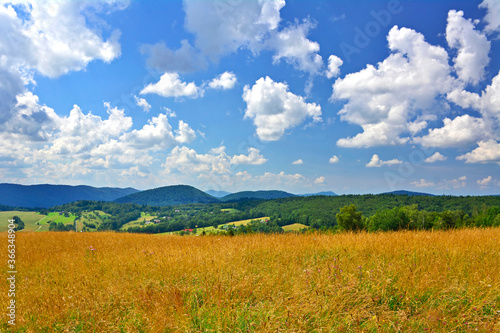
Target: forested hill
[[323, 209], [169, 196], [410, 193], [267, 195], [44, 196]]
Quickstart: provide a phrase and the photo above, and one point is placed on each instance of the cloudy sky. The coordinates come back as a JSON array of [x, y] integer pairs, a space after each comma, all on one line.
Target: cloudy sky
[[303, 96]]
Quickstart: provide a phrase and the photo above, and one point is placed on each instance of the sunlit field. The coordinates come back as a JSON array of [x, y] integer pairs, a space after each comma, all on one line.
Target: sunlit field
[[383, 282]]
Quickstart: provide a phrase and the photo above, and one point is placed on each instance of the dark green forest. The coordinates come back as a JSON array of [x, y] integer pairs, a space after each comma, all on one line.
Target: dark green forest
[[347, 212]]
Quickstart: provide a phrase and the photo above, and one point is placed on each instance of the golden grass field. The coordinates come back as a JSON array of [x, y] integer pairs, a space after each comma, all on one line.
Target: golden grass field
[[445, 281]]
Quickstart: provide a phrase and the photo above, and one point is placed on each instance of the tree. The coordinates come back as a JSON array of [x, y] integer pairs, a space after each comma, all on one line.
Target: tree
[[19, 222], [350, 219]]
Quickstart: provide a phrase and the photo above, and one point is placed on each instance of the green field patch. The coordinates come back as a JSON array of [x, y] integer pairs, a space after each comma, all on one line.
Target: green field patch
[[295, 227], [235, 223], [230, 210], [30, 220], [59, 218], [137, 223]]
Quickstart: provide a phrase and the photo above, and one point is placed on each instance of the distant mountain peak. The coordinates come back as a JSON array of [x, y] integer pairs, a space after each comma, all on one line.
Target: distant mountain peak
[[265, 194], [49, 195], [410, 193], [169, 196]]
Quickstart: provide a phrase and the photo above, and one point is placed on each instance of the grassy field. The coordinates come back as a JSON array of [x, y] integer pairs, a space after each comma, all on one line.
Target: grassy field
[[294, 227], [242, 222], [30, 220], [137, 223], [381, 282]]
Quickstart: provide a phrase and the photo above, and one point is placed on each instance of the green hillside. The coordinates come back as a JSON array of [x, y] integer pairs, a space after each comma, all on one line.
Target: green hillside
[[266, 195], [168, 196]]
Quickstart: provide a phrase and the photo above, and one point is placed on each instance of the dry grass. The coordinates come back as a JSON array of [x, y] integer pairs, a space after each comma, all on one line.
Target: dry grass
[[386, 282]]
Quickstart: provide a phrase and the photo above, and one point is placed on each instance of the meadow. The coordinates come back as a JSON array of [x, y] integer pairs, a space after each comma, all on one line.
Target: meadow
[[30, 220], [408, 281]]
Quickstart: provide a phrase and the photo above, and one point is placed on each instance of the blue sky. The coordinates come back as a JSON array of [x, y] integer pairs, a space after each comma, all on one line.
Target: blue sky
[[303, 96]]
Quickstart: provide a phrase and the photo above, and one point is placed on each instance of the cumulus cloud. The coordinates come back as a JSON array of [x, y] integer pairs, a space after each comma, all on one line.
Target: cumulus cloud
[[472, 47], [224, 81], [492, 15], [297, 162], [382, 100], [292, 45], [222, 28], [486, 152], [319, 180], [435, 158], [216, 161], [274, 109], [188, 161], [334, 64], [460, 131], [81, 144], [487, 102], [334, 159], [142, 103], [46, 39], [376, 162], [484, 182], [253, 157], [170, 85], [422, 183]]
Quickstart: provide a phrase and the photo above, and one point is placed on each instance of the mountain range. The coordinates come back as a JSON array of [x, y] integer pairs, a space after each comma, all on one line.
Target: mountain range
[[45, 196]]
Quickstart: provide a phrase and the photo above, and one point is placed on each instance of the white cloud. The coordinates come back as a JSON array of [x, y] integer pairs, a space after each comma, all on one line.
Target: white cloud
[[188, 161], [484, 182], [334, 64], [170, 85], [460, 131], [334, 159], [216, 161], [435, 158], [376, 162], [486, 152], [487, 103], [186, 59], [142, 103], [297, 162], [472, 46], [222, 28], [224, 81], [274, 109], [459, 182], [184, 134], [292, 45], [422, 183], [253, 157], [382, 100], [492, 14], [48, 37], [319, 180]]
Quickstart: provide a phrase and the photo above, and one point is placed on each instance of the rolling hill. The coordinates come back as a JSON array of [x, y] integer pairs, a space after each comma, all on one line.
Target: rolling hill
[[168, 196], [327, 193], [410, 193], [267, 195], [44, 196]]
